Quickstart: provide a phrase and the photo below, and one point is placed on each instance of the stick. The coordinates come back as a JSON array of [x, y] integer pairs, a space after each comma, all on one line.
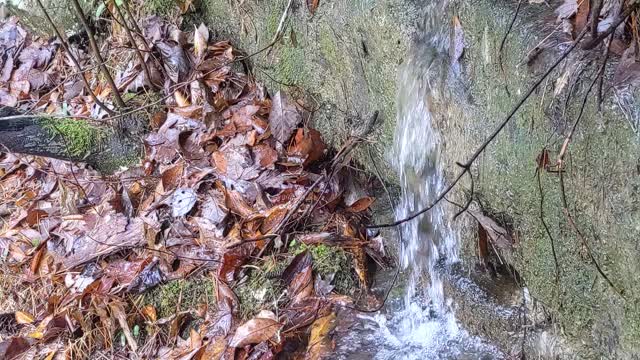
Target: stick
[[133, 43], [96, 52], [74, 60]]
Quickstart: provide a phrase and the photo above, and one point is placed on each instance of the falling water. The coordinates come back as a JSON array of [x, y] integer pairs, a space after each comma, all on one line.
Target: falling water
[[424, 325]]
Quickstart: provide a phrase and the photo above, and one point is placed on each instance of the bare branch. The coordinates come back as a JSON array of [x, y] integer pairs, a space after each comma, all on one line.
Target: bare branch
[[74, 60], [147, 73], [96, 52]]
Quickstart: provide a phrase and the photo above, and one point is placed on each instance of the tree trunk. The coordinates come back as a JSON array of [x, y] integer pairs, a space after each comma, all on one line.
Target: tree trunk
[[101, 147]]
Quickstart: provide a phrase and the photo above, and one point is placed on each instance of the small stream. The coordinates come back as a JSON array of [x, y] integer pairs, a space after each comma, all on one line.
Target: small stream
[[420, 324]]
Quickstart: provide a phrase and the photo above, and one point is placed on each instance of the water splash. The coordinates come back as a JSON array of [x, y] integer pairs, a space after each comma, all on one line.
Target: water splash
[[424, 326]]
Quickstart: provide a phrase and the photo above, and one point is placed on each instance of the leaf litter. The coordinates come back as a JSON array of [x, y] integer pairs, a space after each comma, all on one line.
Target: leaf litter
[[230, 179]]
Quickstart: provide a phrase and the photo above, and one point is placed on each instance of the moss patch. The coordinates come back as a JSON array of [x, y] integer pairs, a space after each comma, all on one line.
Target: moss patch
[[184, 294], [79, 136]]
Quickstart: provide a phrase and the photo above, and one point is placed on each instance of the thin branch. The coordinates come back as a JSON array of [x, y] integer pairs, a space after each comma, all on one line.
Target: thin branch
[[546, 228], [565, 206], [595, 17], [135, 24], [503, 42], [96, 52], [598, 39], [147, 73], [495, 133], [73, 58]]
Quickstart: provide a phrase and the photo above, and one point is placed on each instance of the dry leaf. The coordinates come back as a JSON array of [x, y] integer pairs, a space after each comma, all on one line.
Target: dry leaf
[[284, 118], [261, 328], [24, 318]]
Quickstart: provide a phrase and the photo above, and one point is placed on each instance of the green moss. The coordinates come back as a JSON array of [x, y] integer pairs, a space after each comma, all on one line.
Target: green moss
[[160, 7], [331, 260], [263, 288], [184, 294], [79, 136]]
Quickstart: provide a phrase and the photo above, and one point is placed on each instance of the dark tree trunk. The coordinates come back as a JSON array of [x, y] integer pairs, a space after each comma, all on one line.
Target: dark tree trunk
[[36, 136]]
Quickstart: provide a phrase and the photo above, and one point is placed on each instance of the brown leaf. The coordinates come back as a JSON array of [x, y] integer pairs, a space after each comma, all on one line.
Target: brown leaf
[[274, 216], [261, 328], [628, 70], [284, 118], [582, 14], [308, 146], [361, 204], [298, 277], [312, 5], [499, 236], [172, 177], [320, 344], [12, 347], [200, 39], [264, 155], [236, 203]]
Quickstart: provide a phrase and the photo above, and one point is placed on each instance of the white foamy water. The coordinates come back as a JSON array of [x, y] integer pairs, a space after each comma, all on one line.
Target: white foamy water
[[421, 325]]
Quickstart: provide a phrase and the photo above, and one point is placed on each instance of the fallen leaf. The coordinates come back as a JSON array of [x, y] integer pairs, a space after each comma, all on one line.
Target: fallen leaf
[[13, 347], [24, 318], [172, 177], [628, 70], [182, 201], [261, 328], [320, 343], [200, 40], [361, 204], [298, 277], [312, 5], [283, 118]]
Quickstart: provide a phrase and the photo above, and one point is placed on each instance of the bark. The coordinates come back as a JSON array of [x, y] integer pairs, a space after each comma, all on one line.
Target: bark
[[29, 135]]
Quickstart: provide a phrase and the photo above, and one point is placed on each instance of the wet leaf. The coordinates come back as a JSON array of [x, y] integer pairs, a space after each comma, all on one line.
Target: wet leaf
[[361, 204], [182, 201], [261, 328], [628, 70], [299, 277], [320, 343], [283, 118], [308, 146], [499, 236]]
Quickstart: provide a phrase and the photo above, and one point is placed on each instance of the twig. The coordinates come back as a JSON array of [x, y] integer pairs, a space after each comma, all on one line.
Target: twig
[[601, 73], [469, 200], [96, 52], [147, 73], [63, 42], [486, 143], [583, 240], [283, 18], [506, 34], [546, 228], [595, 17], [565, 206], [598, 39], [135, 24]]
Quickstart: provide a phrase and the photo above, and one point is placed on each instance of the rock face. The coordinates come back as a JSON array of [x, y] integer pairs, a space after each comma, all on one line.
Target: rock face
[[343, 60]]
